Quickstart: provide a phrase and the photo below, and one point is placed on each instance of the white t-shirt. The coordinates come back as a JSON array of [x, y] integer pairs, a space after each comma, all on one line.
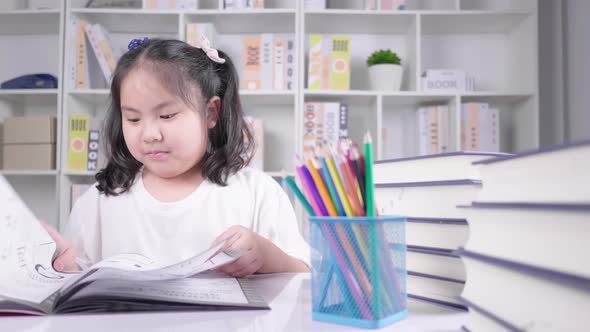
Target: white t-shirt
[[135, 222]]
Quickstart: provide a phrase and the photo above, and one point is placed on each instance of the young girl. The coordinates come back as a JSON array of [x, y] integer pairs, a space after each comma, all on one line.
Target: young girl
[[176, 182]]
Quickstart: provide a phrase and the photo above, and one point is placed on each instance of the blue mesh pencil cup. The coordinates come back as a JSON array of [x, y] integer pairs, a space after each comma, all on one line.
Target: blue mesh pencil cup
[[358, 270]]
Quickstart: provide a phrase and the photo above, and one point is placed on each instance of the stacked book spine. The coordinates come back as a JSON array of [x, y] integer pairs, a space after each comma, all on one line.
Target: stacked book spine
[[427, 190], [527, 257]]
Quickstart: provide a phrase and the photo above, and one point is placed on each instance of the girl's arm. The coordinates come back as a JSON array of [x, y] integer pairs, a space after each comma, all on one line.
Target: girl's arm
[[276, 260]]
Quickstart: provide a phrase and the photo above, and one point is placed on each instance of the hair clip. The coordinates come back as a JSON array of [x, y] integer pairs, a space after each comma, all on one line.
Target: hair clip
[[135, 43], [203, 43]]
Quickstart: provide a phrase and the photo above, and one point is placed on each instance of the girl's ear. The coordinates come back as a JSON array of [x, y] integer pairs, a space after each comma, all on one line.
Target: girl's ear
[[213, 109]]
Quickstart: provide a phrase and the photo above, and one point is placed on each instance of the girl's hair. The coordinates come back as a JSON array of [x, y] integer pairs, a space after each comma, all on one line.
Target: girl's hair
[[188, 73]]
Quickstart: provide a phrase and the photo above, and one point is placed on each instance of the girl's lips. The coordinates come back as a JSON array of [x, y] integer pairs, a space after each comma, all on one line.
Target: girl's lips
[[157, 155]]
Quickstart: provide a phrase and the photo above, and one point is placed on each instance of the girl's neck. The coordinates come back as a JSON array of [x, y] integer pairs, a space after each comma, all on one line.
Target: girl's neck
[[175, 188]]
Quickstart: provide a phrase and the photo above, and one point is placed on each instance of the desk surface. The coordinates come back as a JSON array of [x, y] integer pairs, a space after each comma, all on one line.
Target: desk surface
[[289, 296]]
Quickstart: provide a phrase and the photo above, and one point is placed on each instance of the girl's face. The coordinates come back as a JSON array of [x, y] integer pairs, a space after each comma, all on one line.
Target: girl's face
[[161, 131]]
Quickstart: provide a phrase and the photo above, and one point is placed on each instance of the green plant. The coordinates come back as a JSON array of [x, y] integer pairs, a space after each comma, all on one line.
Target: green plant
[[382, 57]]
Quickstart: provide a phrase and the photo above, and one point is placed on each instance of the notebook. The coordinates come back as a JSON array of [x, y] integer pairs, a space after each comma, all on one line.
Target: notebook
[[123, 282]]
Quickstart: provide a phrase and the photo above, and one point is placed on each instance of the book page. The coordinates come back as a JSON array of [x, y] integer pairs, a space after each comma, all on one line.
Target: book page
[[127, 266], [205, 288], [26, 252], [137, 267]]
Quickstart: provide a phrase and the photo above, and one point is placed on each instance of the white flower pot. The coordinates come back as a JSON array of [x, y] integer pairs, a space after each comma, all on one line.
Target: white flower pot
[[385, 77]]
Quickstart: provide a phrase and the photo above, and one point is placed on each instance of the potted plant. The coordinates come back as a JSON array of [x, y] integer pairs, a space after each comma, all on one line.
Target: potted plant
[[385, 70]]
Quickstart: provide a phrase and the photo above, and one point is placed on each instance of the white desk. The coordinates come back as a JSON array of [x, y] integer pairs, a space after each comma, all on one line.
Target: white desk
[[289, 296]]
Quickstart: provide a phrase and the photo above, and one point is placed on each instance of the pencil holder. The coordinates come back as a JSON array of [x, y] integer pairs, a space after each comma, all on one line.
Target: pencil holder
[[358, 270]]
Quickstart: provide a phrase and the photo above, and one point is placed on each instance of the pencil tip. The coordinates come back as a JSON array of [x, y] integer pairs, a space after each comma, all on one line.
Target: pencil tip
[[368, 138]]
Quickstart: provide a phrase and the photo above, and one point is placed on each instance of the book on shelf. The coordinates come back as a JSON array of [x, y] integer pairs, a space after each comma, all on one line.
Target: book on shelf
[[122, 282], [93, 56], [78, 129], [437, 167], [447, 81], [324, 122], [102, 45], [552, 174], [269, 62], [329, 62], [480, 126], [520, 297], [243, 4], [84, 152], [437, 262], [433, 129]]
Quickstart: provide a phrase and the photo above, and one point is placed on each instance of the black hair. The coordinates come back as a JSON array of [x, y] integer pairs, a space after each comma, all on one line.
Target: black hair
[[184, 70]]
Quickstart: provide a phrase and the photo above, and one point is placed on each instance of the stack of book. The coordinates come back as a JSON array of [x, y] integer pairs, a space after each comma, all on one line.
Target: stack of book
[[83, 152], [329, 62], [268, 62], [427, 190], [527, 255], [93, 55], [324, 122]]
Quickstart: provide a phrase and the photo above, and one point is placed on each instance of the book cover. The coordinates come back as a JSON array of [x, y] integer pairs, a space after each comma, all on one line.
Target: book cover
[[279, 64], [252, 58], [314, 73], [82, 80], [290, 63], [78, 130], [267, 57], [340, 64], [326, 62]]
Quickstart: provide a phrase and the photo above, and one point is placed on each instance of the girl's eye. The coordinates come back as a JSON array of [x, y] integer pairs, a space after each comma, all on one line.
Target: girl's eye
[[133, 120], [168, 116]]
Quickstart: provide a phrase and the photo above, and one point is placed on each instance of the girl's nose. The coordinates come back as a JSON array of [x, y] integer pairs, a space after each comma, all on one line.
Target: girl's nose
[[151, 132]]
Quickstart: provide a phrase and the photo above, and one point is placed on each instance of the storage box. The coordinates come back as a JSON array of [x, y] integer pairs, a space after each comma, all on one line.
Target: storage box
[[28, 156], [358, 270], [29, 130]]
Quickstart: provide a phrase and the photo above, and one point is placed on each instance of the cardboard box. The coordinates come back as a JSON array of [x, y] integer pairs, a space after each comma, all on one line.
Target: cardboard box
[[28, 156], [29, 130]]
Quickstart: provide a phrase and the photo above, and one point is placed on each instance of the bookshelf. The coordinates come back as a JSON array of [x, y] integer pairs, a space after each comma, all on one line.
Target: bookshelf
[[493, 40]]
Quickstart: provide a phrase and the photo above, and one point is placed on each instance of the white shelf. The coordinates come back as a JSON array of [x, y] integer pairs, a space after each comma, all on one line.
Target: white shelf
[[28, 173], [79, 173], [92, 96], [250, 21], [471, 22], [340, 21], [38, 96], [132, 20], [28, 22], [496, 97], [268, 97], [350, 96]]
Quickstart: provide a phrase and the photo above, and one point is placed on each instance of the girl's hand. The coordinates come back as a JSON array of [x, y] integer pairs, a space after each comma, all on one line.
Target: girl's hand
[[66, 261], [246, 240]]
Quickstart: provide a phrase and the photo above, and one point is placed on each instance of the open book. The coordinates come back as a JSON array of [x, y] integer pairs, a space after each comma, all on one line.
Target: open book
[[124, 282]]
